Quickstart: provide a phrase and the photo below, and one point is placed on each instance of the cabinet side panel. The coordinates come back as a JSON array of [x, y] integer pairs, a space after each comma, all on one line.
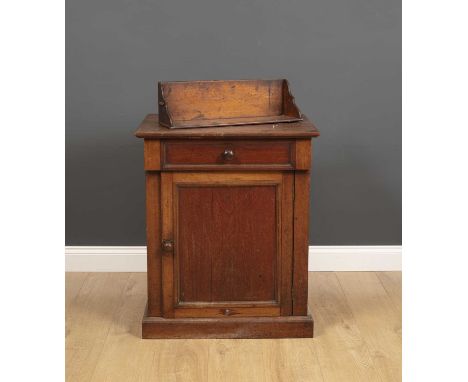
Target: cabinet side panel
[[153, 238], [301, 242]]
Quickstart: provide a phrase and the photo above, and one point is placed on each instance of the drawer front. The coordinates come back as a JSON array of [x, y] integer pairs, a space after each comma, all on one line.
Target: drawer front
[[228, 154]]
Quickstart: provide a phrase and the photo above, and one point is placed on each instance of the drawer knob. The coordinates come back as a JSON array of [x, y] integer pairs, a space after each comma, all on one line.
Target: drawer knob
[[228, 154], [227, 312]]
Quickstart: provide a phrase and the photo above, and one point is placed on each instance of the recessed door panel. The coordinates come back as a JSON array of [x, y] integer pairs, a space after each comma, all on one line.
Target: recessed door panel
[[231, 244], [227, 243]]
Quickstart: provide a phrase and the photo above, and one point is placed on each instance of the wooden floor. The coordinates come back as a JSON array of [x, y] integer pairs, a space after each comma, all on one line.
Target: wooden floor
[[357, 323]]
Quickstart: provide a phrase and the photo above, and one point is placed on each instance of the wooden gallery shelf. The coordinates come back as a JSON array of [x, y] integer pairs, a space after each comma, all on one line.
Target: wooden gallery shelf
[[188, 104]]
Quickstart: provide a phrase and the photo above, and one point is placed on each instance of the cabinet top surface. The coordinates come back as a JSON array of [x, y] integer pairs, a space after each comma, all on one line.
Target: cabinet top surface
[[151, 129]]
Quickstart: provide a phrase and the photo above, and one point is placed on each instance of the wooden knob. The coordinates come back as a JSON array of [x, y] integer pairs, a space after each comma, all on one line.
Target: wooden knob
[[228, 154], [167, 245]]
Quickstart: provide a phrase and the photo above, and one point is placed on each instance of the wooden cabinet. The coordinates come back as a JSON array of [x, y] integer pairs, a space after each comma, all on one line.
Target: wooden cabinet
[[227, 230]]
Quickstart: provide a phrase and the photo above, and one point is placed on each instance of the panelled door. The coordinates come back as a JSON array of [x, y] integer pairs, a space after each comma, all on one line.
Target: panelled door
[[227, 243]]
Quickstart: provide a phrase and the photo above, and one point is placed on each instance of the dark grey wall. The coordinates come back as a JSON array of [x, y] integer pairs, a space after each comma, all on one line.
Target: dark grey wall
[[343, 60]]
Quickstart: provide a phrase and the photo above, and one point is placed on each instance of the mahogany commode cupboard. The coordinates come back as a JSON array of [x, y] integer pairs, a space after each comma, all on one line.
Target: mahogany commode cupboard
[[227, 212]]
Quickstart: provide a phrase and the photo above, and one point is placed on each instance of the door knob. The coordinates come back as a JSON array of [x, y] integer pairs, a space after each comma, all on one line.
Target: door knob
[[228, 154], [167, 245]]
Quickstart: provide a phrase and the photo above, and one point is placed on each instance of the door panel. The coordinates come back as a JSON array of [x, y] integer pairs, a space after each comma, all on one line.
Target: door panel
[[232, 244], [226, 243]]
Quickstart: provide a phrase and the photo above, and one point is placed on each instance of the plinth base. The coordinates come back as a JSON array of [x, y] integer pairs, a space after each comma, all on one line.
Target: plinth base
[[242, 327]]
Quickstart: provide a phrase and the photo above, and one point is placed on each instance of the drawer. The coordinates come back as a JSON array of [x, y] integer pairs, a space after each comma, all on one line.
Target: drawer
[[228, 154]]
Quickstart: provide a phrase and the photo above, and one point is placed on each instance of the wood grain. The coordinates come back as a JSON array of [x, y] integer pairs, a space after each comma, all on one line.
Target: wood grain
[[215, 103], [88, 319], [286, 241], [289, 360], [391, 281], [338, 337], [153, 242], [150, 128], [239, 327], [152, 154], [216, 258], [167, 233], [379, 321], [246, 271], [228, 309], [303, 154], [73, 284], [122, 346], [209, 154], [301, 242], [103, 341]]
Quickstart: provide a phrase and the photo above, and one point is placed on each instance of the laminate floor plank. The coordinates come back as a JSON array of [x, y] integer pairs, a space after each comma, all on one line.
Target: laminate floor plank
[[378, 320], [73, 283], [342, 353], [291, 360], [124, 355], [392, 284], [89, 318], [103, 343], [181, 360]]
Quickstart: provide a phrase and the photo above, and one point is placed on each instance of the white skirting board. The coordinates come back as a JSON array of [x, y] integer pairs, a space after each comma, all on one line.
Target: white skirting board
[[321, 258]]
